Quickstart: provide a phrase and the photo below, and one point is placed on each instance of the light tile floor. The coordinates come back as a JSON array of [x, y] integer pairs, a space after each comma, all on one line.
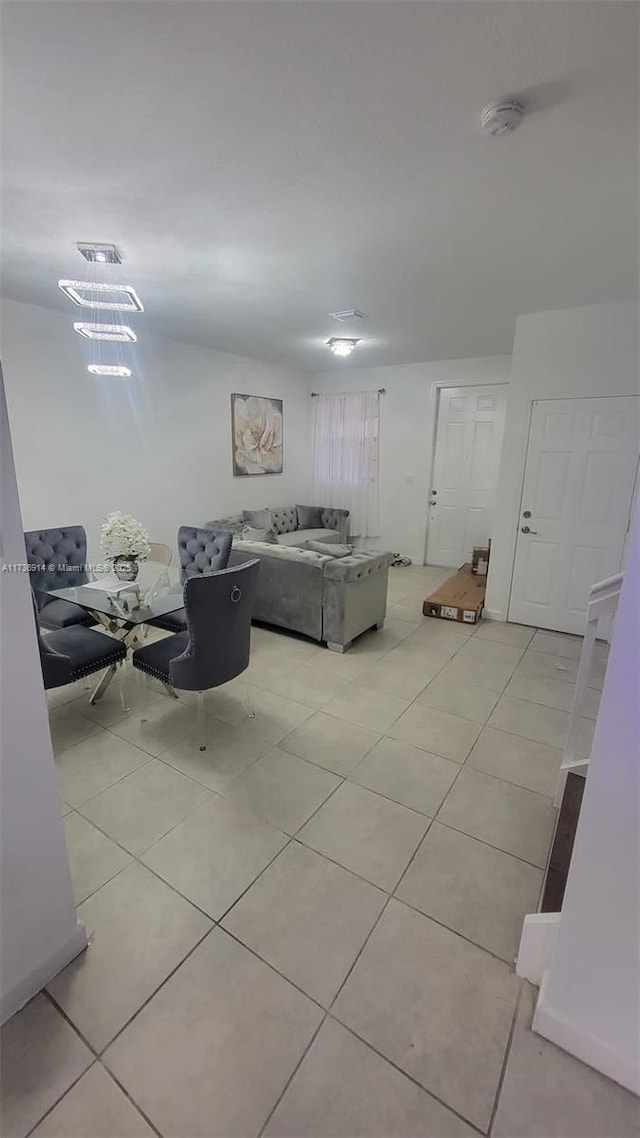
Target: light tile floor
[[308, 930]]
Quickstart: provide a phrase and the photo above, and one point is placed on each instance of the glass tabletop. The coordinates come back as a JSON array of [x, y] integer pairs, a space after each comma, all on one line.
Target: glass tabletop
[[156, 592]]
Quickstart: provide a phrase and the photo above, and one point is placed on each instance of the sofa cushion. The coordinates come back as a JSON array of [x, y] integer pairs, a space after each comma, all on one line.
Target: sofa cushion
[[284, 519], [330, 549], [300, 537], [309, 517], [250, 533], [279, 551], [335, 519], [361, 563], [260, 519], [233, 523]]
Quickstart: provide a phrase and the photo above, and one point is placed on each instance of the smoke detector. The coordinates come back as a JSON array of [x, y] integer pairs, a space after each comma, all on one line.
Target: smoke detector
[[501, 117]]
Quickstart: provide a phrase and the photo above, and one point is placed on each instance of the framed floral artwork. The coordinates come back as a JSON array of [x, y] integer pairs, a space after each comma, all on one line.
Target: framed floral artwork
[[256, 434]]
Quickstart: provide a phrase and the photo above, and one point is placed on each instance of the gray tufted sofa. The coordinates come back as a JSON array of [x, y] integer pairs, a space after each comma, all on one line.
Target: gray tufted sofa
[[329, 599], [292, 525]]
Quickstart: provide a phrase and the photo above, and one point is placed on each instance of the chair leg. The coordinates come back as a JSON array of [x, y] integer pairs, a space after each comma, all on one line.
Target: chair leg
[[103, 684], [123, 687], [248, 703], [140, 682], [170, 691], [202, 722]]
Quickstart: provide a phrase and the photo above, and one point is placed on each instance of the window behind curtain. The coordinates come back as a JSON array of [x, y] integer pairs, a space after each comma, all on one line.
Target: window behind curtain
[[345, 457]]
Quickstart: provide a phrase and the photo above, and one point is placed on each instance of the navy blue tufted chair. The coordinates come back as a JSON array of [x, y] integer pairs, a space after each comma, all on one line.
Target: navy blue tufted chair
[[74, 652], [58, 557], [201, 552], [216, 646]]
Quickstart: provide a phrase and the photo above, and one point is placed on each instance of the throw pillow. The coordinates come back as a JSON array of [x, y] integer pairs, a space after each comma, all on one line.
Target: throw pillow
[[260, 519], [250, 533], [233, 523], [309, 517], [329, 550]]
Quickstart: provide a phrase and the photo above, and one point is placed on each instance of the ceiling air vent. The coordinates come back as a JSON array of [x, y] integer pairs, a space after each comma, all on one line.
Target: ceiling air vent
[[349, 314]]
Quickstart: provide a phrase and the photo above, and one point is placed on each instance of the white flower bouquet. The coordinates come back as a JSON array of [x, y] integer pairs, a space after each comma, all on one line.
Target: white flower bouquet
[[123, 536]]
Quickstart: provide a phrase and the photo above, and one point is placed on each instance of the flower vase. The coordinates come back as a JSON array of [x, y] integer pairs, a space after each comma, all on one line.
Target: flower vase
[[125, 568]]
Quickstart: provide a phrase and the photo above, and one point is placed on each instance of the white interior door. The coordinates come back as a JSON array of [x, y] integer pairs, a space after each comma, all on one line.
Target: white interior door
[[580, 471], [467, 461]]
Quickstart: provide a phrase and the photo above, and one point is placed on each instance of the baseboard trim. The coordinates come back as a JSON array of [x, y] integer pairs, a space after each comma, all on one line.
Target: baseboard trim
[[493, 614], [29, 986], [623, 1069], [537, 942]]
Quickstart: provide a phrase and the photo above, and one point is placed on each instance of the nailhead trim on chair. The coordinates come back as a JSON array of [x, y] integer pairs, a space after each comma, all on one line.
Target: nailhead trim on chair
[[96, 666], [155, 672]]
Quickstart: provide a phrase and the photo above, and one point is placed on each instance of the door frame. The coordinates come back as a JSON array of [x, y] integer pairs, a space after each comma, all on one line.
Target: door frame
[[636, 485], [437, 387]]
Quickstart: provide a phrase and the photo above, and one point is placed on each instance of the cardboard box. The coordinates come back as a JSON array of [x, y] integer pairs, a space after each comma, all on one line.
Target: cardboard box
[[461, 598], [480, 560]]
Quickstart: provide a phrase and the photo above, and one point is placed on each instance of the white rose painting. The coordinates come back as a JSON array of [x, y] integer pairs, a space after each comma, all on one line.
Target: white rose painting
[[256, 431]]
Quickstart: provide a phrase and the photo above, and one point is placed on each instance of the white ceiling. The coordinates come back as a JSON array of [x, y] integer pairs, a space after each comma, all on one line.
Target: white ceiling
[[263, 164]]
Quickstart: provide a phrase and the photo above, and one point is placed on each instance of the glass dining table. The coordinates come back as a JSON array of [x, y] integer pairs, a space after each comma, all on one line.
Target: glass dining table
[[124, 608]]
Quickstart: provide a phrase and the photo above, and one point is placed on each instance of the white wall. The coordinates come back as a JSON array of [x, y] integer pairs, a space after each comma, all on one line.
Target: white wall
[[575, 352], [407, 435], [589, 1001], [157, 445], [39, 932]]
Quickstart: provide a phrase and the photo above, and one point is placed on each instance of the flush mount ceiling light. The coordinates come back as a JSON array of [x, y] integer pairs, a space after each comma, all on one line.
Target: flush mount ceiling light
[[341, 346], [98, 251], [349, 314], [109, 369], [120, 333], [116, 297]]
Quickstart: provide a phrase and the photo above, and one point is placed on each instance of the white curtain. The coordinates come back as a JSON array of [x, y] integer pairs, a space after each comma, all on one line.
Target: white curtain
[[345, 457]]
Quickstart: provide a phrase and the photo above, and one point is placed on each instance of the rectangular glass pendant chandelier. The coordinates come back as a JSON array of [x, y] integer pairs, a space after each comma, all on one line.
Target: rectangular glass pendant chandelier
[[109, 369], [119, 333], [103, 296], [96, 294]]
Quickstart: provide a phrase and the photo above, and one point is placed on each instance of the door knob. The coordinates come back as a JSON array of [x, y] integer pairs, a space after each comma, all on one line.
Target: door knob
[[525, 529]]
